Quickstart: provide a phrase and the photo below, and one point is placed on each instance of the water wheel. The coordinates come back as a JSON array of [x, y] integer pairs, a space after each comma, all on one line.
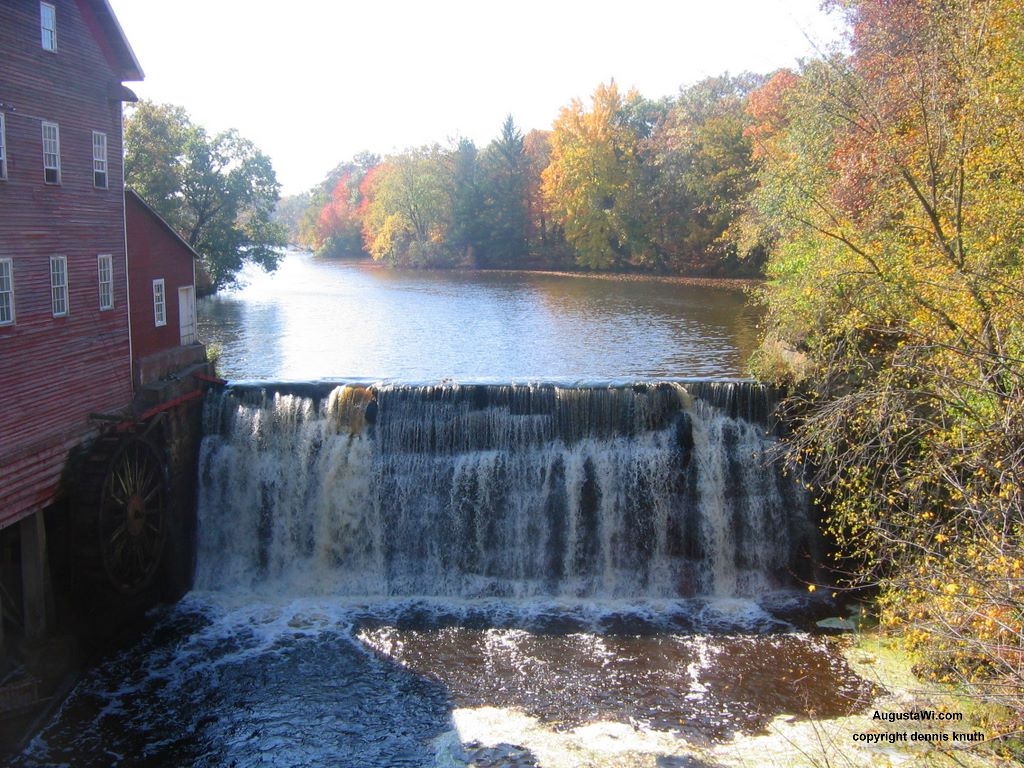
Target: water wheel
[[122, 522]]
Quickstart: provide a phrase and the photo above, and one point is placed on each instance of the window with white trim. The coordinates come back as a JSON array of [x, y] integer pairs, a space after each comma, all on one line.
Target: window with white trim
[[105, 271], [99, 159], [3, 147], [6, 292], [48, 26], [51, 153], [59, 285], [159, 302]]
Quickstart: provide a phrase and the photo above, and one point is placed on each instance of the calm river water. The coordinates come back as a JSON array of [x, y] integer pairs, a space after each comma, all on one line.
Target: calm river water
[[314, 319], [370, 594]]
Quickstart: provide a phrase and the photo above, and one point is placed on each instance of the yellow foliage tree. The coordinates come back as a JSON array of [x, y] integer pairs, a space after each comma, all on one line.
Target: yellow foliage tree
[[894, 193], [592, 179]]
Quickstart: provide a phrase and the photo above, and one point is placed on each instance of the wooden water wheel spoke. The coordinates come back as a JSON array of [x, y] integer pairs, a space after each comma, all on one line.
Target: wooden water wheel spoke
[[142, 554], [118, 533], [145, 540], [124, 486], [132, 518]]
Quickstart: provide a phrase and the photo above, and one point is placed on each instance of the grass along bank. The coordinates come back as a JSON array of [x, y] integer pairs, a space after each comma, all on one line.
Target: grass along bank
[[912, 722]]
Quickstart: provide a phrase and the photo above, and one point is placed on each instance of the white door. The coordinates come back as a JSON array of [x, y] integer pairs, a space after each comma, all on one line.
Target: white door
[[187, 314]]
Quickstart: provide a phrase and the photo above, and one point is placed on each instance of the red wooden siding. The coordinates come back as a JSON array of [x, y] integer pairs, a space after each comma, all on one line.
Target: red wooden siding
[[55, 372], [154, 251]]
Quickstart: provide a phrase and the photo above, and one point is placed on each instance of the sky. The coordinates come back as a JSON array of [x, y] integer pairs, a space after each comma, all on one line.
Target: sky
[[314, 82]]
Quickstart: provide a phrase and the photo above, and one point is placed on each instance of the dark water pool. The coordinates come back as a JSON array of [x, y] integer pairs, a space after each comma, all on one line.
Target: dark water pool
[[225, 681]]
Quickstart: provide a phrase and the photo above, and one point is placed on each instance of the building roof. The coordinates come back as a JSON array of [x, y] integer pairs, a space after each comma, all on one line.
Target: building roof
[[102, 22], [131, 194]]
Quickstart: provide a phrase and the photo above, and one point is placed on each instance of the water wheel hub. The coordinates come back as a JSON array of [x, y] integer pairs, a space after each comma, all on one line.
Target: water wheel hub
[[135, 514]]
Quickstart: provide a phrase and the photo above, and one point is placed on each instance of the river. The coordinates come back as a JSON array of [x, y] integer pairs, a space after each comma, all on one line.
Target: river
[[315, 318], [480, 519]]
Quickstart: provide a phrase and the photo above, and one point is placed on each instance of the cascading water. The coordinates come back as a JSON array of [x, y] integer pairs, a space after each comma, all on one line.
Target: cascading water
[[473, 575], [653, 490]]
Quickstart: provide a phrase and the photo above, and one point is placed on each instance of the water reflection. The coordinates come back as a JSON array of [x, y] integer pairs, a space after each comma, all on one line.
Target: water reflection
[[320, 319], [248, 331], [707, 684]]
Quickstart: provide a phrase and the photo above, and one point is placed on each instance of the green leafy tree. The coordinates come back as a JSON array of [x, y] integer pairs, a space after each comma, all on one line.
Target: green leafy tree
[[466, 235], [218, 192], [504, 172], [290, 213], [155, 137], [701, 172]]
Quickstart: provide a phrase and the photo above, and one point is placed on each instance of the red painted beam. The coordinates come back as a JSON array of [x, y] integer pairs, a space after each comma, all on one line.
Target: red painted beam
[[193, 395], [210, 379], [173, 403]]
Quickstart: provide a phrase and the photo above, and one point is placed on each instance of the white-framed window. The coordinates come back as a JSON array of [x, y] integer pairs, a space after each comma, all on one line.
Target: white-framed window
[[59, 285], [3, 147], [48, 26], [105, 272], [99, 159], [51, 153], [6, 292], [159, 302]]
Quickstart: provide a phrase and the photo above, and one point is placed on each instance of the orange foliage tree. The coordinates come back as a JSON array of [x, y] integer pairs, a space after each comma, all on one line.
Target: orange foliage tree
[[339, 226]]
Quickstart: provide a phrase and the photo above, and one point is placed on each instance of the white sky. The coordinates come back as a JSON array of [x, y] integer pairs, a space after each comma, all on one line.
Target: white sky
[[313, 82]]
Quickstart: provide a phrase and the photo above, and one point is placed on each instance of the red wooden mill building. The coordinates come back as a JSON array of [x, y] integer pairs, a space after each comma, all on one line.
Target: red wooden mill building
[[87, 410]]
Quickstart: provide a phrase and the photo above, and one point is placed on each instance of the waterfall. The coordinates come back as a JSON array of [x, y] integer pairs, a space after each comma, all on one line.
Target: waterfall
[[659, 490]]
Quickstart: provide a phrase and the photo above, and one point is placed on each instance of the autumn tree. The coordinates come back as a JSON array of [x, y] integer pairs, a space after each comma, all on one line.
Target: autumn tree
[[339, 227], [591, 184], [218, 192], [546, 245], [457, 206], [332, 225], [408, 209], [894, 191], [701, 172]]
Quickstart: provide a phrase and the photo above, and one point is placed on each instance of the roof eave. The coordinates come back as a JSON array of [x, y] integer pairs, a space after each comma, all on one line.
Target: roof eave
[[128, 65], [131, 193]]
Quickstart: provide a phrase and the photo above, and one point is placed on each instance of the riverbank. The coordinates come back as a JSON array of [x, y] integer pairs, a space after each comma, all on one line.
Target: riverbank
[[723, 283], [726, 283], [910, 723]]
